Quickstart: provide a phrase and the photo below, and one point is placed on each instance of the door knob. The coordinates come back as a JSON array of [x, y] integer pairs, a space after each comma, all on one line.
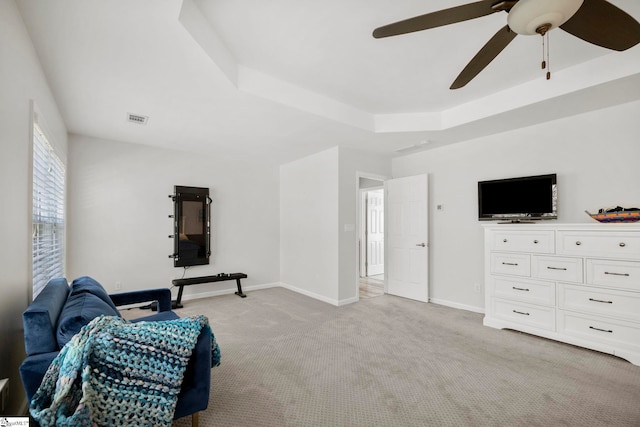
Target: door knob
[[421, 244]]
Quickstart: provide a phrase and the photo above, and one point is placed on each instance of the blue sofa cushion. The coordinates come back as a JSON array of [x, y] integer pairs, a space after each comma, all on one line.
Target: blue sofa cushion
[[80, 309], [32, 371], [90, 285], [41, 317], [163, 315]]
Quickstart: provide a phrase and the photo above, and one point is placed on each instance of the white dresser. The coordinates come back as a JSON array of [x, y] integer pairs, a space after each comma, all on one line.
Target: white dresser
[[576, 283]]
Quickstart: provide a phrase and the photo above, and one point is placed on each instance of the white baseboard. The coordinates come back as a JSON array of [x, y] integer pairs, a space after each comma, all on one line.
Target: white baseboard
[[348, 301], [311, 294], [457, 305], [335, 302], [250, 288]]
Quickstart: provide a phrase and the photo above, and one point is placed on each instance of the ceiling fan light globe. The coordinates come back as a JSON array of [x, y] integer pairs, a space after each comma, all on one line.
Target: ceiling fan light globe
[[528, 15]]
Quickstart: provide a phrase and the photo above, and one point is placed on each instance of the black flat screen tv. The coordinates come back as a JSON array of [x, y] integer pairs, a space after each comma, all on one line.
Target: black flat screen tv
[[518, 199]]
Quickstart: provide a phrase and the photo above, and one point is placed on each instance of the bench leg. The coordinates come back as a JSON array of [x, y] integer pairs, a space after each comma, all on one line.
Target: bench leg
[[177, 303], [239, 292], [194, 419]]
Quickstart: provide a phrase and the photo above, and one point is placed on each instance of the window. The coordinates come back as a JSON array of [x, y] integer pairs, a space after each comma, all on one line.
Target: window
[[48, 212]]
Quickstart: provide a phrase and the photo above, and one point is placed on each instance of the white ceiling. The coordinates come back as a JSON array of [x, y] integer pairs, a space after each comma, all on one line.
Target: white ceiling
[[276, 80]]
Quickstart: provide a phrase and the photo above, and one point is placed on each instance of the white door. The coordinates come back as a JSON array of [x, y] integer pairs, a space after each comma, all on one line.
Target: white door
[[375, 232], [407, 237]]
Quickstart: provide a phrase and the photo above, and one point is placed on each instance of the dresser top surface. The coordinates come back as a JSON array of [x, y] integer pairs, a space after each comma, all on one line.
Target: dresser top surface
[[554, 225]]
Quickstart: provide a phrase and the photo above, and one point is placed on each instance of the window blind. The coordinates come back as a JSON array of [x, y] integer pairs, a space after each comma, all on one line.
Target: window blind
[[48, 212]]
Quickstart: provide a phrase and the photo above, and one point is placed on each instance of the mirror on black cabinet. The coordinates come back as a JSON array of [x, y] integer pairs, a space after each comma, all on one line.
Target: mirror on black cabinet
[[192, 228]]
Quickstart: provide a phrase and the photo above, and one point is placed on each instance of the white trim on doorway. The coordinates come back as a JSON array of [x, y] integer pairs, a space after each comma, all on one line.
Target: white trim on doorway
[[360, 219]]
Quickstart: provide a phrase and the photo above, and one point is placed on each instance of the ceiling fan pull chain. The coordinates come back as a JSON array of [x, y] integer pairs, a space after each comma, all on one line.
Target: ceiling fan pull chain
[[543, 65], [548, 60]]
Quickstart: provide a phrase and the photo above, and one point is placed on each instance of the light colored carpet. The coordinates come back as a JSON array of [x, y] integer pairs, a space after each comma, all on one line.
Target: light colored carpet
[[288, 360]]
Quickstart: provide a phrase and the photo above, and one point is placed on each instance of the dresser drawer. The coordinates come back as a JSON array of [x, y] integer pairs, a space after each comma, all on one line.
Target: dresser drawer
[[609, 244], [526, 314], [540, 242], [531, 291], [598, 329], [617, 274], [620, 304], [557, 268], [515, 264]]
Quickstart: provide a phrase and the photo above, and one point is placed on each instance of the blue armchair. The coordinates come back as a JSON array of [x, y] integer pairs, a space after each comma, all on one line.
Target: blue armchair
[[60, 311]]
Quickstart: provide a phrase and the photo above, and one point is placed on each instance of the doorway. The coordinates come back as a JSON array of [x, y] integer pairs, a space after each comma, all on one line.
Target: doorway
[[371, 243]]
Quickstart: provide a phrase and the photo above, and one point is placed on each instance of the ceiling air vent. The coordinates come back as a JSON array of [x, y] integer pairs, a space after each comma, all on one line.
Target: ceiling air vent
[[137, 118]]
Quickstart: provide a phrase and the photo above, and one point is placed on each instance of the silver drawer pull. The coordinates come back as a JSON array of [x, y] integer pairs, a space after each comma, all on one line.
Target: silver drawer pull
[[611, 273], [510, 263], [520, 312], [623, 244], [520, 289], [578, 243], [602, 301], [601, 330], [535, 241], [504, 241], [556, 268]]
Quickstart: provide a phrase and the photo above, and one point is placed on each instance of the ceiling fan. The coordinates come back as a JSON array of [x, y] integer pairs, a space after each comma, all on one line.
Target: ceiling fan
[[595, 21]]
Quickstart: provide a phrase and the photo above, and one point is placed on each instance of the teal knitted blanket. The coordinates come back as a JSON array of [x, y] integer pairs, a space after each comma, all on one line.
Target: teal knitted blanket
[[117, 373]]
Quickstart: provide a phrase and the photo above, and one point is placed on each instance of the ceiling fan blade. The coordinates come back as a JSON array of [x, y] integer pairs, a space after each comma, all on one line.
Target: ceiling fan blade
[[437, 19], [603, 24], [489, 51]]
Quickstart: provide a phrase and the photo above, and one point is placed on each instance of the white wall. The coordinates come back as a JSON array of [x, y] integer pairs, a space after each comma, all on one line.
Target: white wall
[[309, 225], [21, 80], [596, 156], [352, 162], [119, 206], [318, 233]]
